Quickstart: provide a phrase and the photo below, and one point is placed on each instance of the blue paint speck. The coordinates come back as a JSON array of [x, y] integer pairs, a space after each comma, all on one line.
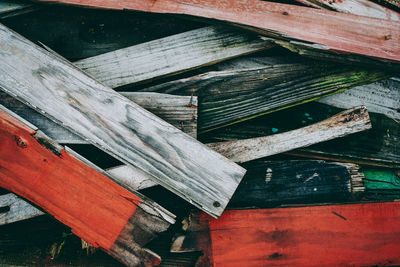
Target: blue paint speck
[[274, 130]]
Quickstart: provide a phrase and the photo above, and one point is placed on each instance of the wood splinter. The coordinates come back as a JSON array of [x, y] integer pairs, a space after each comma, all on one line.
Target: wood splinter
[[79, 195]]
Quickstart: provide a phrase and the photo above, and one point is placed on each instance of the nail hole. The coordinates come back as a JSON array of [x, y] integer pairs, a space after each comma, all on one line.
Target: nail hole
[[216, 204], [5, 209], [285, 13], [398, 110]]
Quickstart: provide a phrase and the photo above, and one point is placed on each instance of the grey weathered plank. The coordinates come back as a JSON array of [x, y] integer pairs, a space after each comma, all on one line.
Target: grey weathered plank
[[173, 54], [180, 111], [347, 122], [19, 209], [237, 94], [358, 7], [116, 125], [380, 97]]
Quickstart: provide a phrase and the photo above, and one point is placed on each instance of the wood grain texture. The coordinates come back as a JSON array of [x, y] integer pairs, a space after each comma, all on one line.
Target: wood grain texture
[[16, 209], [116, 125], [357, 7], [382, 184], [234, 95], [329, 31], [9, 8], [173, 54], [96, 208], [180, 111], [274, 183], [377, 146], [347, 122], [336, 235], [380, 97]]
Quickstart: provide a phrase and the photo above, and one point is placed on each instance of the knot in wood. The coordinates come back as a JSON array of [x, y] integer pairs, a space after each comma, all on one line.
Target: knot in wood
[[20, 142]]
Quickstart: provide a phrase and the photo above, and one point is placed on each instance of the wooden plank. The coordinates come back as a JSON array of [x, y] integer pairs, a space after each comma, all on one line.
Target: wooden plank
[[10, 8], [329, 31], [380, 97], [382, 184], [274, 183], [173, 54], [234, 95], [96, 208], [377, 146], [347, 122], [357, 7], [116, 125], [15, 209], [337, 235], [180, 111]]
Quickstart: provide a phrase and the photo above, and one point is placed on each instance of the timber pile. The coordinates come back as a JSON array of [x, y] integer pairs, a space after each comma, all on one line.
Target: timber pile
[[199, 133]]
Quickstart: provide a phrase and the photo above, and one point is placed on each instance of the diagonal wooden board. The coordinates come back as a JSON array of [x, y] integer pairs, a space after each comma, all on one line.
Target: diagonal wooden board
[[116, 125], [81, 196], [317, 29]]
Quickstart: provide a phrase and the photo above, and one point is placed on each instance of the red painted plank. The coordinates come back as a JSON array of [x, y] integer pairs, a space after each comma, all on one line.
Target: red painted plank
[[97, 209], [337, 235], [344, 33]]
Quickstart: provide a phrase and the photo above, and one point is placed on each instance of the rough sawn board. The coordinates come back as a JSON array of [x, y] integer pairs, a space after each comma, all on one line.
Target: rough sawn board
[[116, 125]]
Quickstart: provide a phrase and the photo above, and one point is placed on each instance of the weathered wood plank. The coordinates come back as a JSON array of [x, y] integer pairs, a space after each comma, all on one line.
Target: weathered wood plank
[[173, 54], [377, 146], [274, 183], [357, 7], [347, 122], [336, 235], [234, 95], [329, 31], [96, 208], [15, 209], [180, 111], [380, 97], [116, 125]]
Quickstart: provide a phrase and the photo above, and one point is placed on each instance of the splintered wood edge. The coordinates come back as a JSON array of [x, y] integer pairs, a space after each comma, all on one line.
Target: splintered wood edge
[[349, 121]]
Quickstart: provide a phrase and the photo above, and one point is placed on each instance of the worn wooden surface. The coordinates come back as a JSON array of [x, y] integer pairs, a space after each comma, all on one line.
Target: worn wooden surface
[[382, 184], [275, 183], [358, 7], [347, 122], [378, 146], [380, 97], [116, 125], [180, 111], [234, 95], [96, 208], [329, 31], [9, 8], [173, 54], [14, 209], [337, 235]]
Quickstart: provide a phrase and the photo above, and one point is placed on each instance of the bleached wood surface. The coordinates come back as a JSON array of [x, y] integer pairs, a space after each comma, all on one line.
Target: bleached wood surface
[[342, 124], [116, 125], [19, 209], [171, 55]]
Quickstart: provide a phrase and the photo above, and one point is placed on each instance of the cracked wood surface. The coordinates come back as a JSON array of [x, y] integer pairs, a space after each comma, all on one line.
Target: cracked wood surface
[[96, 208], [329, 31], [116, 125]]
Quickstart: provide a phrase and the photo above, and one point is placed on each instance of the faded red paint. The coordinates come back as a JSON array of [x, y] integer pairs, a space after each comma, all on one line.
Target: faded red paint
[[337, 235], [96, 208], [339, 32]]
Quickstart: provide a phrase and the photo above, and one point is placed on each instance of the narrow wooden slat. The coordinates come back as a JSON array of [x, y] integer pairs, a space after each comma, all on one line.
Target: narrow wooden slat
[[380, 97], [357, 7], [274, 183], [10, 8], [96, 208], [116, 125], [382, 184], [173, 54], [329, 31], [234, 95], [344, 123], [180, 111], [336, 235], [377, 146]]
